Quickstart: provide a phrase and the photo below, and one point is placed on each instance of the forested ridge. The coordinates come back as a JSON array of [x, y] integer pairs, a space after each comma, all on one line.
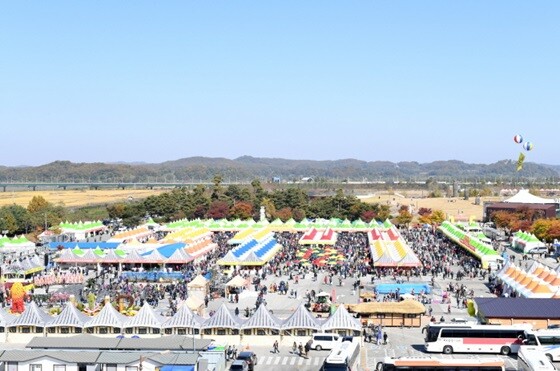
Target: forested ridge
[[246, 168]]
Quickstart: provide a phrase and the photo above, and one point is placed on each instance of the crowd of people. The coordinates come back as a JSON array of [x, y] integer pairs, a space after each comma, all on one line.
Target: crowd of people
[[441, 258]]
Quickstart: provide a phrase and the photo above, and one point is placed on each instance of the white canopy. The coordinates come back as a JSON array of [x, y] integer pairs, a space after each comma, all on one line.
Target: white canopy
[[301, 319], [31, 316], [524, 197], [184, 318], [223, 318], [70, 316], [146, 317], [107, 317], [341, 319], [262, 319]]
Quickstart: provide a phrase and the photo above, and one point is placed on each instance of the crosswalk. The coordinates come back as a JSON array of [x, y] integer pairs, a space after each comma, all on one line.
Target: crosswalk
[[289, 361]]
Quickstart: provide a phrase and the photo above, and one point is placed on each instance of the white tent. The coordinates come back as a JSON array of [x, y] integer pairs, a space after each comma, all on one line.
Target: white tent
[[146, 317], [69, 317], [524, 197]]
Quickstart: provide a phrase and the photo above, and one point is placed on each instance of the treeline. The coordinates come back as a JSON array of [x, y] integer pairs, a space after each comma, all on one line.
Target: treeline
[[234, 201], [215, 202], [38, 215], [246, 168], [528, 220]]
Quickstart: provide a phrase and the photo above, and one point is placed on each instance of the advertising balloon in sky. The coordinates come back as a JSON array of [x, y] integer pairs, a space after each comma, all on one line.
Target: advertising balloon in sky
[[527, 146]]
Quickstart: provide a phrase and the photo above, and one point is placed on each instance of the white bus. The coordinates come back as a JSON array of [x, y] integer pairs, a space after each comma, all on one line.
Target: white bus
[[533, 359], [547, 341], [450, 339], [344, 357], [439, 364]]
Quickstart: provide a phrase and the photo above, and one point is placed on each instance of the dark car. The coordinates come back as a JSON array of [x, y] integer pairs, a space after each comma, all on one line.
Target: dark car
[[249, 357]]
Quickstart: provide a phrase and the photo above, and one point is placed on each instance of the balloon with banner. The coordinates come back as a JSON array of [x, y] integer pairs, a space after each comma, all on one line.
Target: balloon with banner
[[520, 161]]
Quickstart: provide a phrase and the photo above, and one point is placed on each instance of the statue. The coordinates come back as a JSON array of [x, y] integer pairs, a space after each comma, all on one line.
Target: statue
[[17, 294]]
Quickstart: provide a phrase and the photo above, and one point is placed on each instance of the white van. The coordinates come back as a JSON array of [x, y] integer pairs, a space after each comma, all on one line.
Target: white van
[[326, 340]]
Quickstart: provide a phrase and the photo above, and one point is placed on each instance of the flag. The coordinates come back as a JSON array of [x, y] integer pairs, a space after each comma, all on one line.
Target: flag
[[520, 161]]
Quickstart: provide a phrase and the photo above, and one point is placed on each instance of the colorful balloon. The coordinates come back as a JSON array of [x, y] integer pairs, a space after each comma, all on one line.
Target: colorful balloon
[[528, 146], [518, 139]]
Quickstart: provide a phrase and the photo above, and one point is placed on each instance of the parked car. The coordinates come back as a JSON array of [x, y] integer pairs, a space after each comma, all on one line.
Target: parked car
[[249, 357], [239, 365], [327, 341], [538, 250]]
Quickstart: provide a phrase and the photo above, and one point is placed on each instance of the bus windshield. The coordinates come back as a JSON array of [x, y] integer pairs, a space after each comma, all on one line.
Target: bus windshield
[[546, 341]]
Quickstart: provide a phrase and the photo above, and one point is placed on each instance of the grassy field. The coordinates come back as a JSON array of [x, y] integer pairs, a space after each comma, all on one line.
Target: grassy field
[[457, 207], [78, 198]]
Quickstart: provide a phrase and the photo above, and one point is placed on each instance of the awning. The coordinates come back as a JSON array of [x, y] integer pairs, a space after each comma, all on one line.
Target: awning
[[176, 368]]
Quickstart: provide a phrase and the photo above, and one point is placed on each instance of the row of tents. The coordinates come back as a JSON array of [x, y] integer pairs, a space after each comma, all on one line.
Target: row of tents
[[277, 225], [146, 318], [484, 252], [539, 281]]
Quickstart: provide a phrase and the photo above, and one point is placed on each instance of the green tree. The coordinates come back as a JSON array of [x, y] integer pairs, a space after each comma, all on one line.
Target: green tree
[[258, 191], [7, 222], [216, 189]]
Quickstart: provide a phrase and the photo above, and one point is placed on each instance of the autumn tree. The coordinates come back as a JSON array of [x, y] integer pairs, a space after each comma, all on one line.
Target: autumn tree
[[241, 210], [438, 216], [269, 208], [404, 217], [284, 214], [43, 214], [218, 210]]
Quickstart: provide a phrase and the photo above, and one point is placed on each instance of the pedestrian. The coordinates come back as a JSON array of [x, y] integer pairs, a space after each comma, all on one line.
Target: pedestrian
[[300, 348], [294, 348], [275, 347], [385, 336]]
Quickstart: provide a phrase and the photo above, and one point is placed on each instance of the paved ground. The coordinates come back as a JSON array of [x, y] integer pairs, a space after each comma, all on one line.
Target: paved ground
[[402, 341]]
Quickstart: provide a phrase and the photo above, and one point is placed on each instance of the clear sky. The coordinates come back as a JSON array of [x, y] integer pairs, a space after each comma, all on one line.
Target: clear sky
[[373, 80]]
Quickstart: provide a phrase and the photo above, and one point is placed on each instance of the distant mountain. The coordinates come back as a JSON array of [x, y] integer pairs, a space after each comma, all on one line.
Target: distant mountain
[[246, 168]]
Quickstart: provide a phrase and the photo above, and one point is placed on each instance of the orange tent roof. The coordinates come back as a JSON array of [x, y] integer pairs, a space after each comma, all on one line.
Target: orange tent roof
[[520, 277], [532, 285], [550, 277], [525, 281], [543, 273], [510, 270], [556, 282], [541, 288], [538, 270]]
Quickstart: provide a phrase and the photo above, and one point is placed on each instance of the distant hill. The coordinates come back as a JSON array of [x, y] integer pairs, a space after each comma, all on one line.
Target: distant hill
[[246, 168]]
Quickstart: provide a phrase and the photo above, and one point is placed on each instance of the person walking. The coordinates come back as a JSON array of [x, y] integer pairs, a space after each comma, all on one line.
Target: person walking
[[275, 347], [385, 336], [294, 348]]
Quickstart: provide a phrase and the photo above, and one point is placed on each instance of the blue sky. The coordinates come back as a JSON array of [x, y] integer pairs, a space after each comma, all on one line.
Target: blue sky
[[372, 80]]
